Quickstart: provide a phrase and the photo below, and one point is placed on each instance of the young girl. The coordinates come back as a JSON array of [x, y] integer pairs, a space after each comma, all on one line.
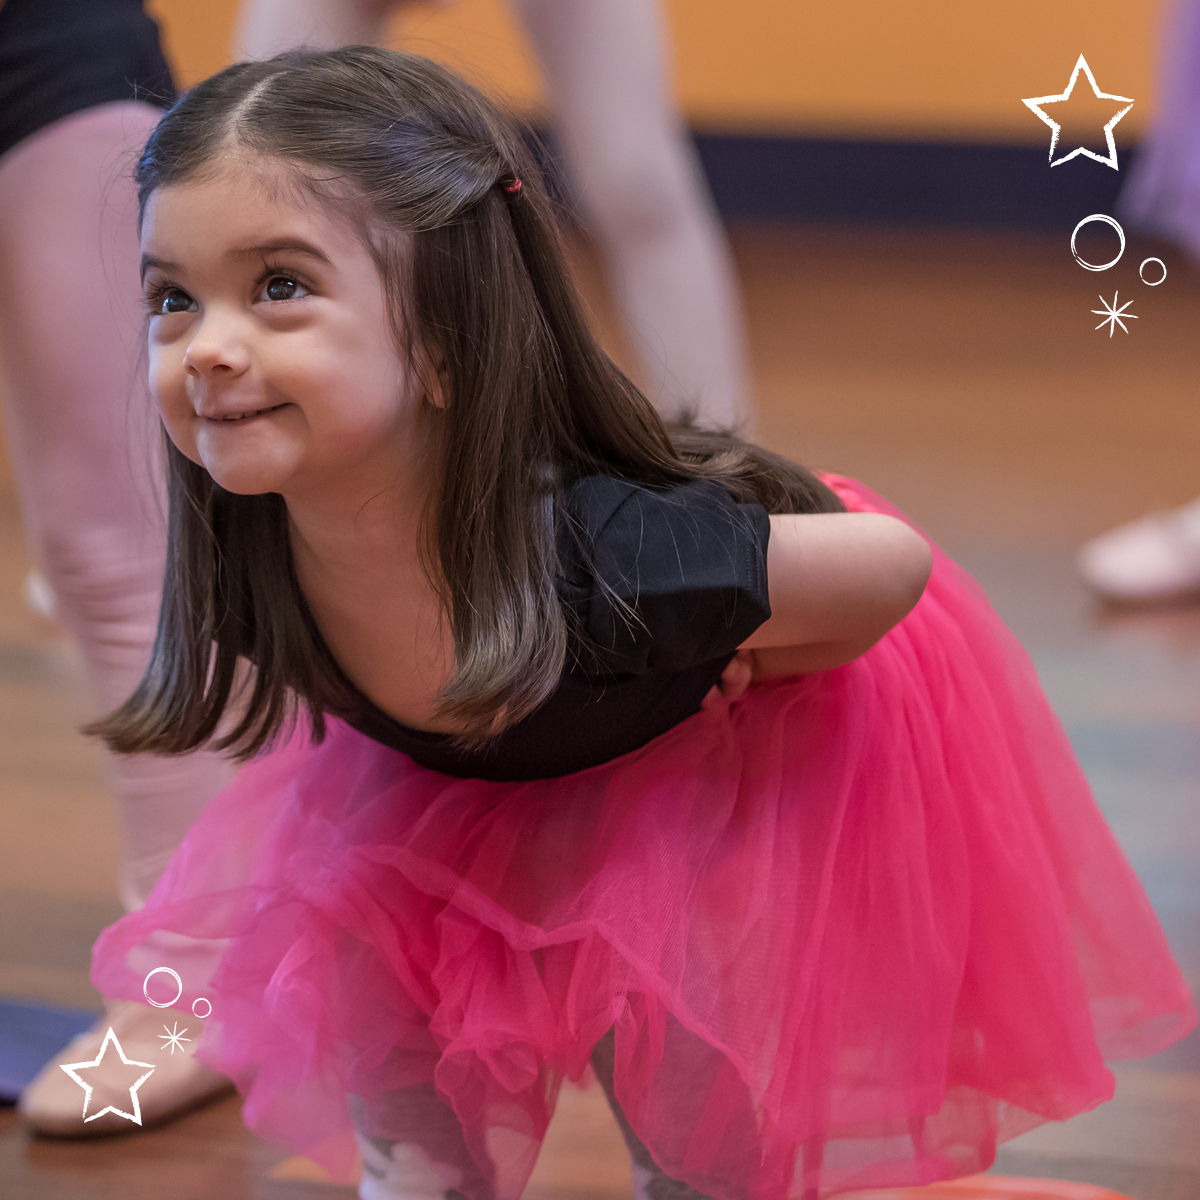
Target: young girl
[[848, 925]]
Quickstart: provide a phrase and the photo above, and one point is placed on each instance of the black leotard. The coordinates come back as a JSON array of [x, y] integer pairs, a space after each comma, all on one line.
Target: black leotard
[[58, 57], [691, 565]]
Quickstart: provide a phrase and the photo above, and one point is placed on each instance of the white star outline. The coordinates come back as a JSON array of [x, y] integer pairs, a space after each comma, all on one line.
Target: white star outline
[[71, 1068], [1113, 318], [1034, 106], [174, 1037]]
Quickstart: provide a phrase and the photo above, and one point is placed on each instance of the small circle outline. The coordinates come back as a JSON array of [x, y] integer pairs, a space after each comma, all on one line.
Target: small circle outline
[[1087, 266], [146, 987], [1143, 267], [205, 1000]]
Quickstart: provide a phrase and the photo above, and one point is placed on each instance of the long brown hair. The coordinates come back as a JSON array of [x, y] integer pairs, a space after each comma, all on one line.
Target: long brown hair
[[532, 402]]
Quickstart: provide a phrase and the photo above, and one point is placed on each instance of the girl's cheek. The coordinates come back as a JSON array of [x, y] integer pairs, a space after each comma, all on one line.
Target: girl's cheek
[[168, 388], [167, 375]]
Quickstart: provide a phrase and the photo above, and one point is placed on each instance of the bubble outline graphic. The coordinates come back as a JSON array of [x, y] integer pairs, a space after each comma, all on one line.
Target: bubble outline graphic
[[1143, 267], [146, 987], [175, 1000], [1087, 266]]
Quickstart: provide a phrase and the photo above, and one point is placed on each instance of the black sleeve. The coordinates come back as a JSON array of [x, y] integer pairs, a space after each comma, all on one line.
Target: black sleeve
[[664, 578]]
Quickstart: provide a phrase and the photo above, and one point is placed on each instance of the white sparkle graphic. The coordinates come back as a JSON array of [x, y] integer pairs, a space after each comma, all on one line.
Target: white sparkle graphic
[[71, 1068], [1034, 106], [1113, 315], [174, 1037]]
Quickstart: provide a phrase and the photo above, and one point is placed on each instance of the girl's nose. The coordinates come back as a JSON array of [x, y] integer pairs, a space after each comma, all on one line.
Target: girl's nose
[[216, 349]]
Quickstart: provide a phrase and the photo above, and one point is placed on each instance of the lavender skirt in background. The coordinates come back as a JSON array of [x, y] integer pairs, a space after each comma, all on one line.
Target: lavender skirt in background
[[1162, 194]]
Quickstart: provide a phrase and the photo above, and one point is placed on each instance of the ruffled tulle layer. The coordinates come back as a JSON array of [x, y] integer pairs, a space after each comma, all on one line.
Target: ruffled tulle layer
[[852, 929]]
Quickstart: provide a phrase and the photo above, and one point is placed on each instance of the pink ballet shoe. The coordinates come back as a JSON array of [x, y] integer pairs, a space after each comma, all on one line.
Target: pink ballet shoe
[[1154, 559], [54, 1102]]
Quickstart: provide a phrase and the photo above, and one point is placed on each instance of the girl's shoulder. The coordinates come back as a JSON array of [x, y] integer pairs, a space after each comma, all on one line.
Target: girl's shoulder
[[611, 512], [661, 576]]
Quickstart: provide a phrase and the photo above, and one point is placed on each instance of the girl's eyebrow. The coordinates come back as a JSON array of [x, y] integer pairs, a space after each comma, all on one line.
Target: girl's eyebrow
[[278, 244], [159, 264], [297, 245]]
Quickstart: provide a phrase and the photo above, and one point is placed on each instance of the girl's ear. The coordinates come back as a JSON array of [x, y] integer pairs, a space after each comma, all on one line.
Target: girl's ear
[[437, 379]]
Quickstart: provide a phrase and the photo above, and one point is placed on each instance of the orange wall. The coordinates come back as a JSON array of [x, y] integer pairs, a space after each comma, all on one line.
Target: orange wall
[[952, 69]]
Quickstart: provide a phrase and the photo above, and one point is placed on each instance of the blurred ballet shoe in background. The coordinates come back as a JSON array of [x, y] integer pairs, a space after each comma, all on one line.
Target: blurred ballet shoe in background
[[1154, 560], [53, 1103]]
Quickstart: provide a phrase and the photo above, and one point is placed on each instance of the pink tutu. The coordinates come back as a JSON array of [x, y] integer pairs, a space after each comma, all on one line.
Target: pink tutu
[[852, 929]]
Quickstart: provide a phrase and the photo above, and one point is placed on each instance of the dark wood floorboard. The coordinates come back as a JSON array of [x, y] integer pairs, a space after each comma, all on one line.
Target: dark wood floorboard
[[960, 374]]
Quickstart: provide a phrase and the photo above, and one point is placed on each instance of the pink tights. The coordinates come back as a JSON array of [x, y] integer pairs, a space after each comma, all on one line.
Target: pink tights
[[84, 438]]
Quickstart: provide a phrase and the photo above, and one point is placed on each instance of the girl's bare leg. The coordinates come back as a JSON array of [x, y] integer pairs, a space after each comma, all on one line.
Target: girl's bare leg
[[84, 442]]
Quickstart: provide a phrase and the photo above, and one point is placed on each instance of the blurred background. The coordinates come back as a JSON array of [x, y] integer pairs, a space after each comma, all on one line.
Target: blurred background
[[858, 110], [915, 318]]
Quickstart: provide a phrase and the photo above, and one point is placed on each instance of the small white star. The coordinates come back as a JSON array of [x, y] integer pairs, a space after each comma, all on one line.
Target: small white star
[[1113, 317], [71, 1068], [1034, 106], [173, 1038]]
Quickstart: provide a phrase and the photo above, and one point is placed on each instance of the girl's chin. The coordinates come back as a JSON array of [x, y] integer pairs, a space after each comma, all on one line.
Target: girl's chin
[[243, 480], [247, 489], [254, 466]]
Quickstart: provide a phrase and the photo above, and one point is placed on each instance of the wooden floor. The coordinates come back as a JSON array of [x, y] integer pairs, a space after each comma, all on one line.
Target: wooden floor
[[961, 375]]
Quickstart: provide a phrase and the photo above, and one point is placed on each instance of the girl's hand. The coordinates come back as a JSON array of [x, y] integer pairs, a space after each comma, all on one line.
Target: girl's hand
[[735, 679], [838, 583]]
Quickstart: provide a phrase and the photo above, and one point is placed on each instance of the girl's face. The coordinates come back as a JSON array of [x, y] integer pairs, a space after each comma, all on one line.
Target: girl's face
[[272, 356]]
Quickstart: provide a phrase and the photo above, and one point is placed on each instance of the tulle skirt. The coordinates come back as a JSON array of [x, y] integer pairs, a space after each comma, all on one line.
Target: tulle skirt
[[852, 929]]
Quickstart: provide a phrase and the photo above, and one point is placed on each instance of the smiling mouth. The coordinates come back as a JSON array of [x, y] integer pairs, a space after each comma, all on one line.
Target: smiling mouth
[[244, 416]]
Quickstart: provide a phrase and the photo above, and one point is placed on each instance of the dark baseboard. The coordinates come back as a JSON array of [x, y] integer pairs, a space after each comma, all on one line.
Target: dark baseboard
[[927, 183], [792, 179]]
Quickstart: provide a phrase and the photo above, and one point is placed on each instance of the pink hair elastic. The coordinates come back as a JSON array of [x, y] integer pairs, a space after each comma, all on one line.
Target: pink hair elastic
[[512, 187]]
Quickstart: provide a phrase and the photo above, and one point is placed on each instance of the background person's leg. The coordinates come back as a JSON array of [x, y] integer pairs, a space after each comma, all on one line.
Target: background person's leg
[[269, 27], [84, 441], [642, 192], [635, 174]]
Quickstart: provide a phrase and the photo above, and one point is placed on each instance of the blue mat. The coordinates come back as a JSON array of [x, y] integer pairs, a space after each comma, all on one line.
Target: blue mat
[[31, 1035]]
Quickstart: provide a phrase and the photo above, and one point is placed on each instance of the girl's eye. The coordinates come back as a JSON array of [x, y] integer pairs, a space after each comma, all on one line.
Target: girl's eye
[[171, 301], [282, 287]]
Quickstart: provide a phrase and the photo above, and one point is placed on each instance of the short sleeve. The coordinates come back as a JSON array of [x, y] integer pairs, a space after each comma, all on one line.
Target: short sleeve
[[664, 578]]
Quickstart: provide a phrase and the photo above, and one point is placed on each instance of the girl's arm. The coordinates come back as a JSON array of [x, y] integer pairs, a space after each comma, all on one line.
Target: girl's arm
[[838, 582]]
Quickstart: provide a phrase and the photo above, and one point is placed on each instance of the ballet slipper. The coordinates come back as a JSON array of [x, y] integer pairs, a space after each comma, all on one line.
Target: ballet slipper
[[1154, 559], [53, 1103]]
